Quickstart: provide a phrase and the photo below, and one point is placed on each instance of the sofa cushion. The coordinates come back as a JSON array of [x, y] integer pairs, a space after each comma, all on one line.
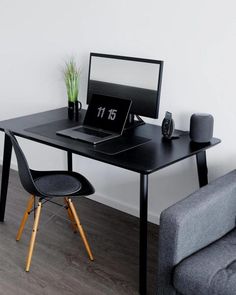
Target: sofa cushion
[[210, 271]]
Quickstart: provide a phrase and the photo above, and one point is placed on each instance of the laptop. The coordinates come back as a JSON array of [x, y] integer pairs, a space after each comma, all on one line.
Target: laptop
[[104, 120]]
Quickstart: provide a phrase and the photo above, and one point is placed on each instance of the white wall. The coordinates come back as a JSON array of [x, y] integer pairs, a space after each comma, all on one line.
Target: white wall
[[197, 41]]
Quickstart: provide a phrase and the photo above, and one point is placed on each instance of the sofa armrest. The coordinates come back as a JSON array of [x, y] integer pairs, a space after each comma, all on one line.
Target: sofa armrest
[[193, 223]]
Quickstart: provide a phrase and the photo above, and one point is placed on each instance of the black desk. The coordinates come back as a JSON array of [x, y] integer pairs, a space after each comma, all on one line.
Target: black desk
[[145, 159]]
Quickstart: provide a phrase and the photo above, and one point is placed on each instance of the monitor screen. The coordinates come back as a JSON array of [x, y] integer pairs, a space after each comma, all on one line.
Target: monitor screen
[[125, 77]]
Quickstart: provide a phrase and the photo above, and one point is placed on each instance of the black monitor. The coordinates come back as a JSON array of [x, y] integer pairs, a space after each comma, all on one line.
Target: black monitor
[[132, 78]]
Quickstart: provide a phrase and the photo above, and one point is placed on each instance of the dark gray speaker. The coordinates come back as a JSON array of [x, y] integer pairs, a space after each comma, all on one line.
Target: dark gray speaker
[[201, 127]]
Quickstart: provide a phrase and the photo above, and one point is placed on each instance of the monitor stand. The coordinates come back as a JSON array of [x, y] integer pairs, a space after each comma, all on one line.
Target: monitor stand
[[133, 121]]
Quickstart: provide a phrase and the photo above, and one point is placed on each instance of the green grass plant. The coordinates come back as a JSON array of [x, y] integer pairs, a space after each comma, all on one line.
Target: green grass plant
[[71, 74]]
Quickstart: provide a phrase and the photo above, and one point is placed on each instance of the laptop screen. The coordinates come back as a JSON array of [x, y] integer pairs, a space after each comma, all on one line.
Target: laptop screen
[[108, 113]]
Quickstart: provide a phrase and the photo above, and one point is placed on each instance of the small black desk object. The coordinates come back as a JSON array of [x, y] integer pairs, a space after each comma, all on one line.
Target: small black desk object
[[143, 159]]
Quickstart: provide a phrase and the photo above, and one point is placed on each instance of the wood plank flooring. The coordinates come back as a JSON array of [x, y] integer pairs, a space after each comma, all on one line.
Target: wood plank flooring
[[60, 264]]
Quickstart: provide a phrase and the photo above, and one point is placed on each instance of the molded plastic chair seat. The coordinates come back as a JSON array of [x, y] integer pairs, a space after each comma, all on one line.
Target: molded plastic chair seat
[[58, 185], [61, 184]]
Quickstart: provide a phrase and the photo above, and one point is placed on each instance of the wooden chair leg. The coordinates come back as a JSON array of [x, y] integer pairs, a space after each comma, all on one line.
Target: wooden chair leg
[[80, 228], [70, 215], [33, 236], [25, 217]]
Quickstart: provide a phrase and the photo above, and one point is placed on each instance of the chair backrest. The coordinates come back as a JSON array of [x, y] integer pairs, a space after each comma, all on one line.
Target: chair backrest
[[23, 168]]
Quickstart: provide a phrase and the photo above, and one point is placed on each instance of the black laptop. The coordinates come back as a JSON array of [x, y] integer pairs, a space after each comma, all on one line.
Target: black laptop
[[104, 120]]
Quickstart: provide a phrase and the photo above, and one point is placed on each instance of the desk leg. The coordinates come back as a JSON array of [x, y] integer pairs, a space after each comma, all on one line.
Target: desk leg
[[202, 168], [143, 234], [5, 175], [69, 161]]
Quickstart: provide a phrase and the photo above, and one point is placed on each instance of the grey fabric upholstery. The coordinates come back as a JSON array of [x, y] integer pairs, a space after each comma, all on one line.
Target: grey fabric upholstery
[[210, 271], [194, 223]]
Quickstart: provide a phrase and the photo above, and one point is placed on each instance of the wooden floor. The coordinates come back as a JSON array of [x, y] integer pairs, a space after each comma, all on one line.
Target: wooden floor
[[60, 264]]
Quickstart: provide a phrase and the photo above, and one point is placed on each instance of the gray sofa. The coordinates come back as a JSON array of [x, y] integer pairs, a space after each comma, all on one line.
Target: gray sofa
[[197, 246]]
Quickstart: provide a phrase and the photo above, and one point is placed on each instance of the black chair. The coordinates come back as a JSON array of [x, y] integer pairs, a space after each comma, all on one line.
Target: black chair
[[46, 185]]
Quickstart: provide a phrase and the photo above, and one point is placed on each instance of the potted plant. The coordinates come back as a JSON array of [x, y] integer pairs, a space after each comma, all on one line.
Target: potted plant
[[71, 74]]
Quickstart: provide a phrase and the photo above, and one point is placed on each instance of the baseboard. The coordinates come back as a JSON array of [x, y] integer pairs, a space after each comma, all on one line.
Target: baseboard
[[121, 206], [116, 204], [13, 166]]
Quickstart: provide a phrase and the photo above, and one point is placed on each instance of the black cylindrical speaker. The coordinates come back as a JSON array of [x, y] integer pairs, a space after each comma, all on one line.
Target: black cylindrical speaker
[[201, 127]]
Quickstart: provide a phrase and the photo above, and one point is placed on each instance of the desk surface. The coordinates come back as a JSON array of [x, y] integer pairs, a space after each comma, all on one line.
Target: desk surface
[[147, 158]]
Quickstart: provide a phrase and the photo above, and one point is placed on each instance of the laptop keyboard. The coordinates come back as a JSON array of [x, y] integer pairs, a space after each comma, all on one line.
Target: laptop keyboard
[[92, 132]]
